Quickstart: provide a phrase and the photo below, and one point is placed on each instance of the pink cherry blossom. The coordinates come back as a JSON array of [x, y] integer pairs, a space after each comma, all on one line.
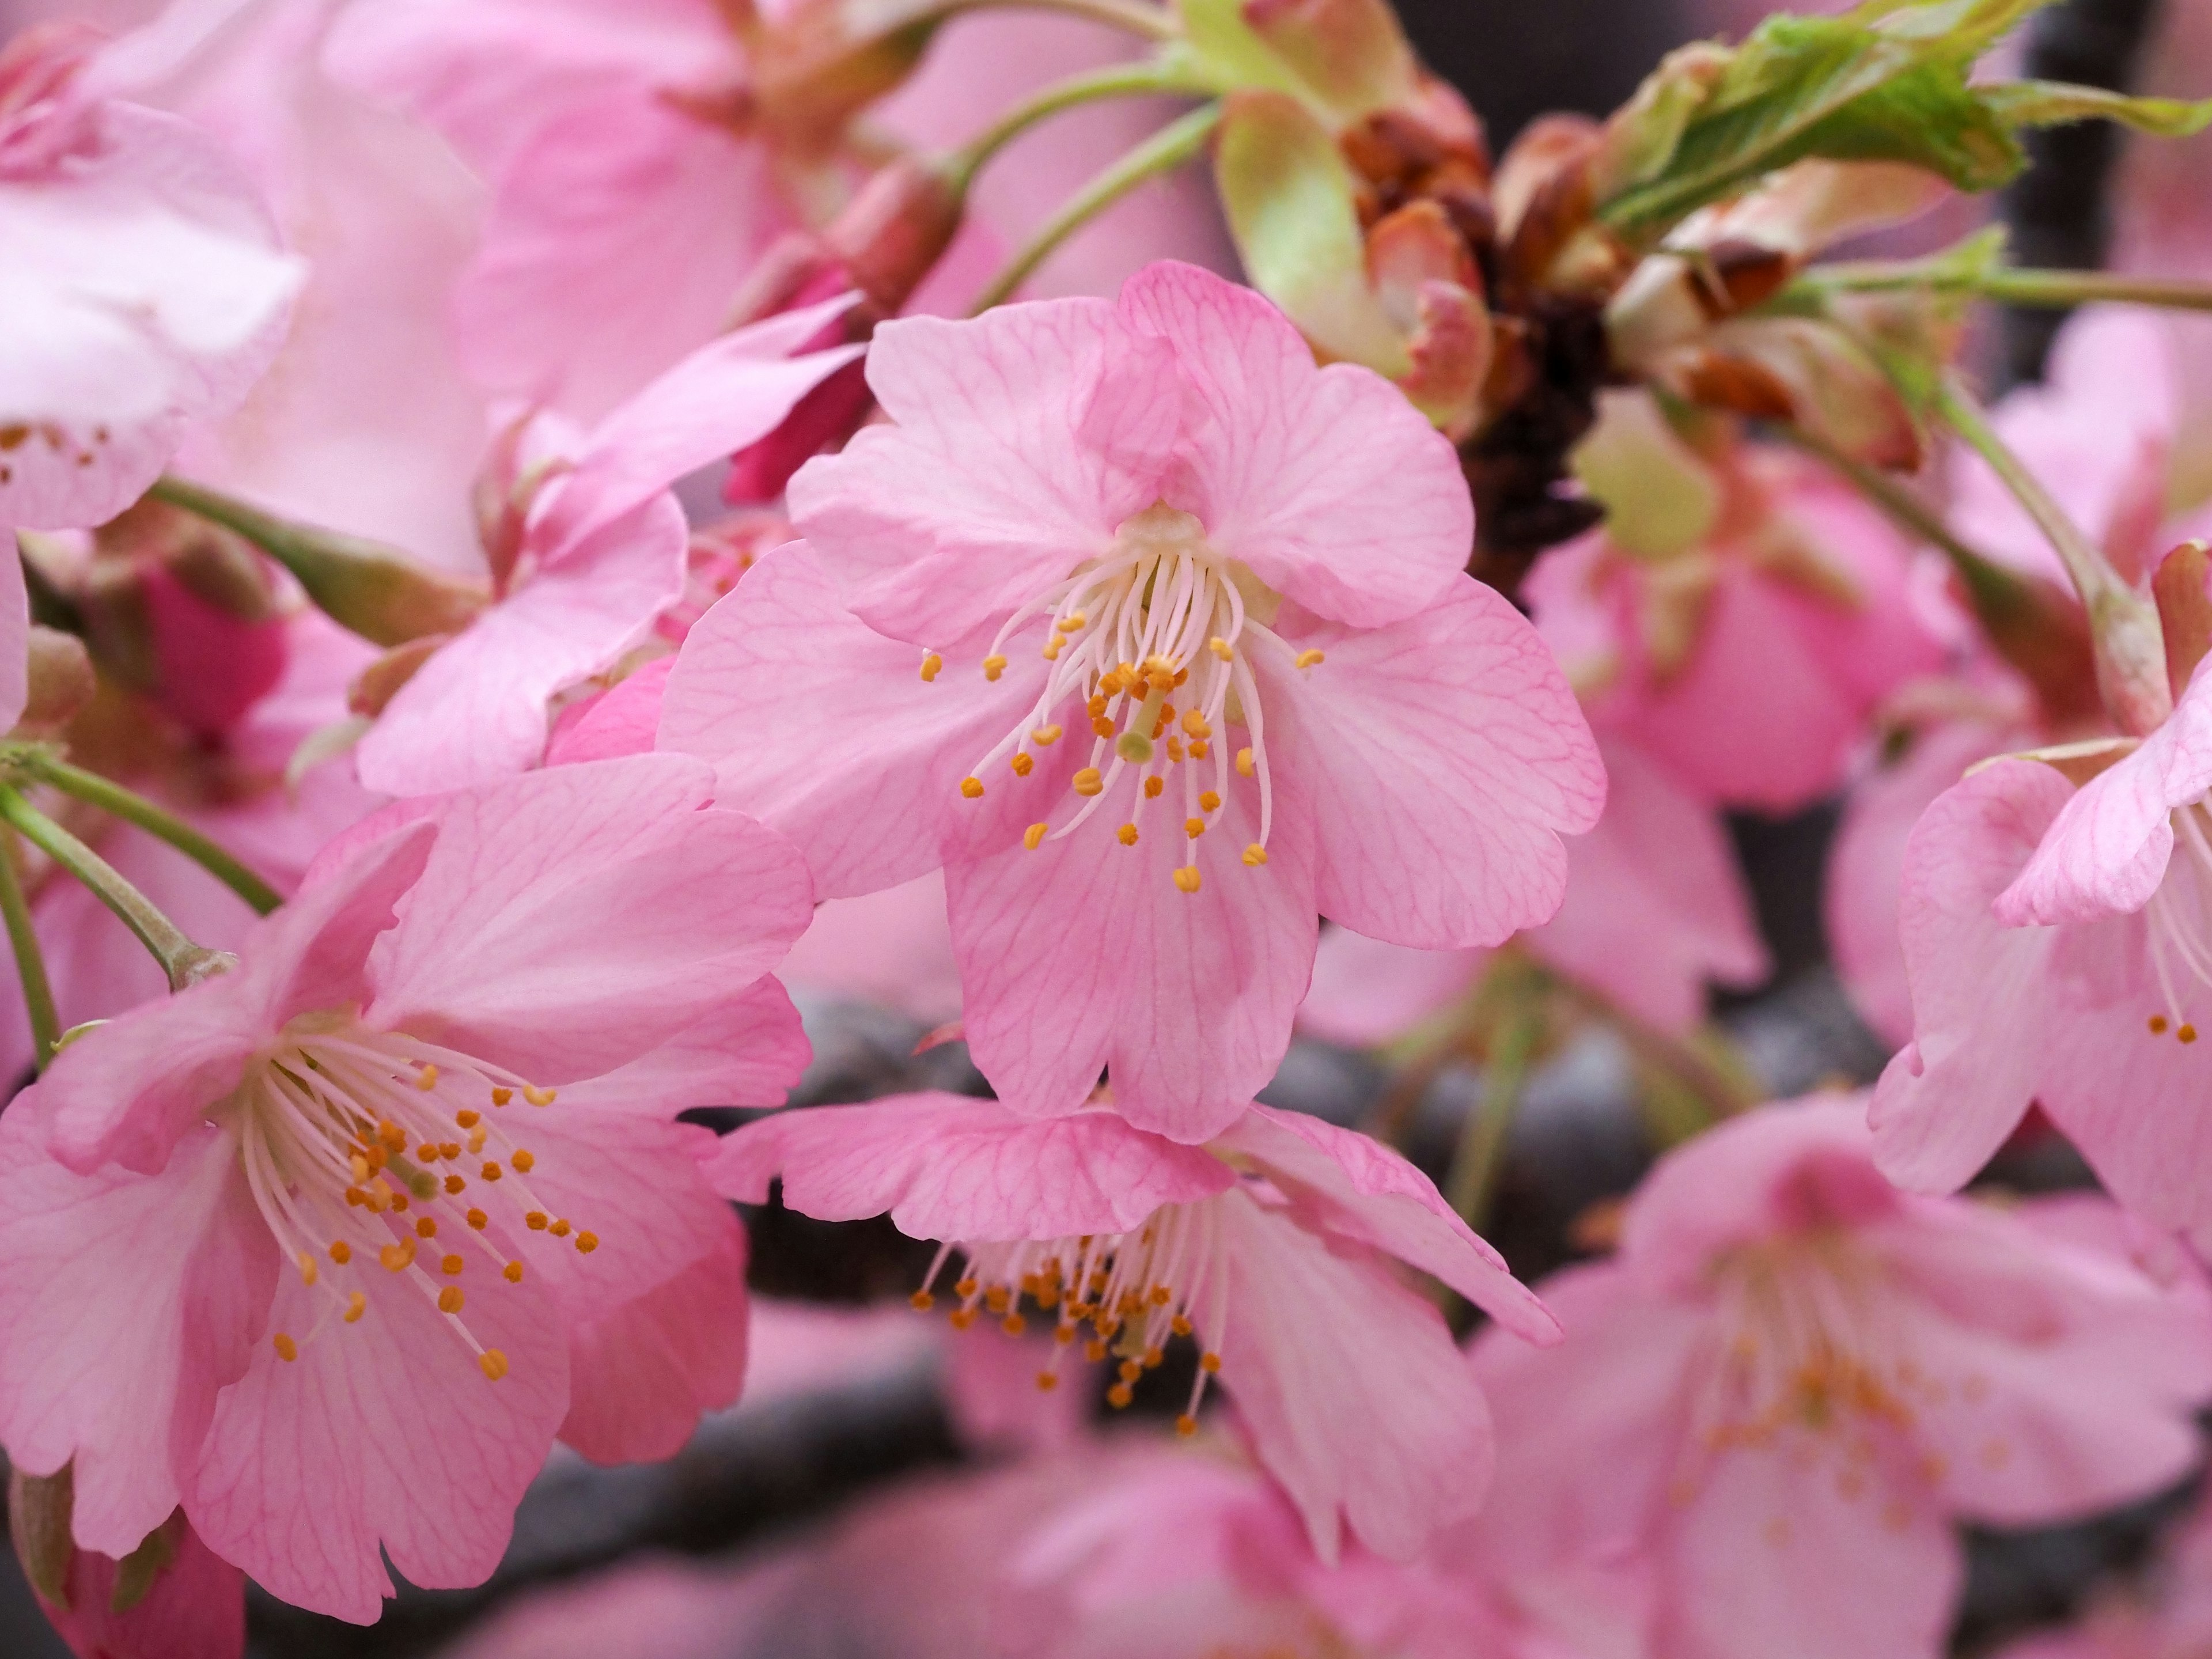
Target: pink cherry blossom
[[194, 1606], [1748, 663], [1078, 509], [1266, 1246], [1655, 909], [266, 1332], [1793, 1380], [146, 289], [594, 551]]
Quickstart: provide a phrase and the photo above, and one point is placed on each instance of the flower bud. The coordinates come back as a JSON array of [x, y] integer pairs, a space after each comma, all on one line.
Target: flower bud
[[61, 680]]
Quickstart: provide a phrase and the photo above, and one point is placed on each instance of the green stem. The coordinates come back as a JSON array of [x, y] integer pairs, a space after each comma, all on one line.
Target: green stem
[[2055, 289], [2085, 564], [1114, 81], [183, 961], [1481, 1154], [131, 808], [30, 960], [1164, 151]]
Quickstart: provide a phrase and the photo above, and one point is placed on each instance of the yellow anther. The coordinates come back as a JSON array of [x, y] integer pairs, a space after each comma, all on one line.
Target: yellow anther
[[522, 1160], [1175, 750], [1186, 879], [930, 665], [287, 1349], [451, 1266], [1101, 726], [1089, 781], [394, 1137], [1072, 623], [449, 1149], [356, 1305], [962, 1318], [1033, 837], [1051, 652], [1127, 835], [492, 1362], [1180, 1325], [454, 1183], [1120, 1395], [500, 1096], [586, 1242], [1310, 659], [1194, 828], [1194, 724], [972, 788], [450, 1300], [512, 1273], [468, 1119], [993, 665], [427, 1152], [1013, 1324], [1208, 801], [341, 1252], [1198, 748], [1022, 765], [560, 1228], [491, 1171], [307, 1272], [1153, 787], [1131, 1369], [2158, 1025], [922, 1301], [1048, 1381], [538, 1096], [477, 1138], [360, 1167], [966, 1287], [1219, 646], [1255, 855], [426, 1228], [1210, 1364], [2185, 1032], [1045, 736], [1244, 762], [535, 1221], [397, 1258], [1186, 1425], [478, 1220], [426, 1079], [1095, 706]]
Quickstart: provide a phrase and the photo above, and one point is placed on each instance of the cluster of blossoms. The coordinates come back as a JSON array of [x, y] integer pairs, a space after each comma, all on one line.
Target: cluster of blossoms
[[541, 530]]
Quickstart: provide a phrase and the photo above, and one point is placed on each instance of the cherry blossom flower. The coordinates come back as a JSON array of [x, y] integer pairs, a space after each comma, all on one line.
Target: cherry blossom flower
[[190, 1605], [1793, 1379], [1655, 909], [343, 1296], [1232, 582], [588, 548], [1266, 1245], [148, 290]]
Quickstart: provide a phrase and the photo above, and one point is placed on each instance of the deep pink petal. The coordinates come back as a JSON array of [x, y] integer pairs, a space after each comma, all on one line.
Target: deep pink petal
[[746, 1050], [621, 721], [1442, 758], [195, 1610], [1325, 482], [572, 919], [947, 1167], [1354, 1187], [640, 1377], [126, 1303], [824, 730]]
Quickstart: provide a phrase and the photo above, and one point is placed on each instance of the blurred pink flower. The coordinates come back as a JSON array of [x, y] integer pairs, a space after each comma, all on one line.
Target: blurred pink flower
[[244, 1152], [1655, 909], [192, 1606], [1267, 1246], [147, 288], [1793, 1379], [2170, 1617], [1085, 506]]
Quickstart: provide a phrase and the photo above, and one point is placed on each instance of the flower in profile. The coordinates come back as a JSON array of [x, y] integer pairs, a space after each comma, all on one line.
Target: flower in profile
[[173, 1598], [1266, 1247], [1156, 636], [146, 289], [1793, 1379], [328, 1247]]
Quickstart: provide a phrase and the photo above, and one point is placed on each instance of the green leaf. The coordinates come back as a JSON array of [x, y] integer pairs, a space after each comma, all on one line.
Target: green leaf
[[1222, 52], [2053, 103]]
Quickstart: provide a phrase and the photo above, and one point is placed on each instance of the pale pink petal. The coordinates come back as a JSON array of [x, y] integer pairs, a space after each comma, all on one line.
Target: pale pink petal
[[892, 948], [570, 920], [157, 293], [1442, 758], [1365, 992], [126, 1302], [980, 495], [824, 730], [1326, 482], [1353, 1187], [623, 722], [476, 710], [1949, 1099], [1589, 1428], [1348, 1384], [947, 1167], [640, 1377], [1082, 953], [747, 1050], [15, 642], [1772, 1557], [195, 1610], [383, 1432], [2107, 850]]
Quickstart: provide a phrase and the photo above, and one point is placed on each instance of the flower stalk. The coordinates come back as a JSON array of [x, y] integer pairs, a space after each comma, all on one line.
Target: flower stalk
[[30, 959], [1114, 81]]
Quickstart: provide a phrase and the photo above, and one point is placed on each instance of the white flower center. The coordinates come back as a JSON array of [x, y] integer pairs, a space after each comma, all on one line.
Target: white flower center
[[1161, 617], [371, 1152]]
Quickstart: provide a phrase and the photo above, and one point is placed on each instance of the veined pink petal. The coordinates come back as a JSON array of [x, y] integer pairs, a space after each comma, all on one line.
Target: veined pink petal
[[947, 1167], [126, 1303], [824, 730], [570, 920], [621, 721], [1344, 497], [196, 1608], [1442, 758], [640, 1377], [746, 1050]]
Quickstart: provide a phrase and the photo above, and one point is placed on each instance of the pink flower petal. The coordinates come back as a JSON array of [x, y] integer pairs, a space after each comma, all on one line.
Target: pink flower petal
[[621, 721], [1365, 992], [747, 1050], [196, 1608]]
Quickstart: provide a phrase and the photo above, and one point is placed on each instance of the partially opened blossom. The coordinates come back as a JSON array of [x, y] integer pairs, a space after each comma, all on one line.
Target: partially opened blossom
[[1154, 635], [1655, 910], [588, 549], [328, 1247], [1793, 1380], [145, 288], [1266, 1246], [179, 1599]]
